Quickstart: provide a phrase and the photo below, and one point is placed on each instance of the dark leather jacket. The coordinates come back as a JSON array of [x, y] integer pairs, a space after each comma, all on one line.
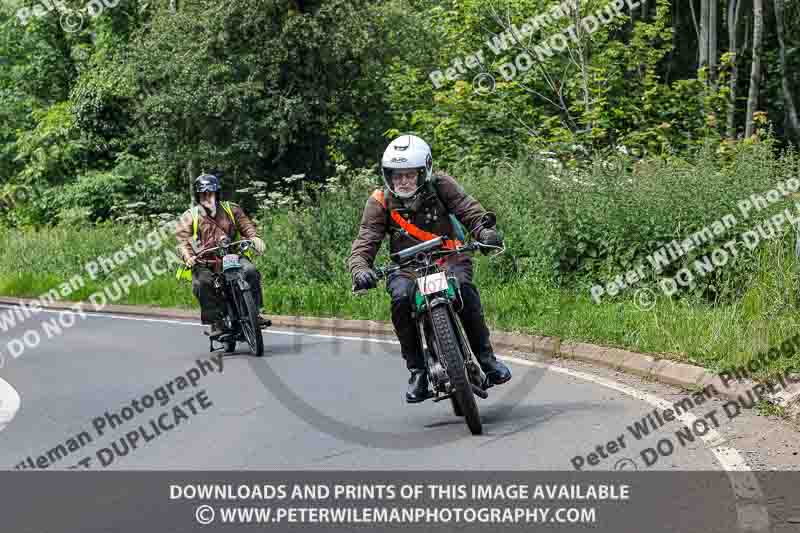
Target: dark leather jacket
[[428, 211], [209, 232]]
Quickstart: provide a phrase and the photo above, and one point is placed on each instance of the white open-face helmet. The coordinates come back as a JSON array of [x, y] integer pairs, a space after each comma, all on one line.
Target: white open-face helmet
[[407, 152]]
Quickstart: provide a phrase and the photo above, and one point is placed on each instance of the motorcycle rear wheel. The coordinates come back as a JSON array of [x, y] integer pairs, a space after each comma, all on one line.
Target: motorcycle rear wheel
[[451, 354]]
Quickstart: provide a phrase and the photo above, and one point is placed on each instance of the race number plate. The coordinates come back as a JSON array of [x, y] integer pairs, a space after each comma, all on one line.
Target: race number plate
[[433, 283], [230, 261]]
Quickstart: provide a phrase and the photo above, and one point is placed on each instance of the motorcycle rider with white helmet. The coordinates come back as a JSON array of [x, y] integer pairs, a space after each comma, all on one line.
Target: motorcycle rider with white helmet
[[415, 205]]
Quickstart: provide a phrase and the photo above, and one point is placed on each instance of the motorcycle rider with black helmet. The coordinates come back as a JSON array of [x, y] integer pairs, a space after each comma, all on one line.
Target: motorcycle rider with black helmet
[[201, 227]]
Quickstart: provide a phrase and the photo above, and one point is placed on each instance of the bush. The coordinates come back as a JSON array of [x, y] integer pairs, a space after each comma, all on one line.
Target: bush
[[98, 192], [127, 190], [309, 236], [612, 216]]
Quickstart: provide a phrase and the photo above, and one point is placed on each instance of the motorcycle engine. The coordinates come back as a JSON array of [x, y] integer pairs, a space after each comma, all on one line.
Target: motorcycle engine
[[438, 373]]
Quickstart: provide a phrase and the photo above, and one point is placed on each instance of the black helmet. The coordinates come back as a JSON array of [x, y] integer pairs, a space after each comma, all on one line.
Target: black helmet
[[206, 183]]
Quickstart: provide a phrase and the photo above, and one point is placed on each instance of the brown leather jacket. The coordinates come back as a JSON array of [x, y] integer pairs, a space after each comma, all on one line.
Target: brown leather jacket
[[209, 233], [427, 212]]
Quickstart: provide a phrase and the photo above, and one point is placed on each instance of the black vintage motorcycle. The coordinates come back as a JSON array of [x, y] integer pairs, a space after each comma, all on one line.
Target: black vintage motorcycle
[[453, 369], [241, 314]]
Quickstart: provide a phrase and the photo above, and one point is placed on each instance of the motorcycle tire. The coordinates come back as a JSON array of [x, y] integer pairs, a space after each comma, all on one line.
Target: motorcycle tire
[[456, 408], [451, 354], [248, 315]]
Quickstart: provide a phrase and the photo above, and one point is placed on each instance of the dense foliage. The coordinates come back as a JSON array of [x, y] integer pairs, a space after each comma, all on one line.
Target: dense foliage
[[596, 142]]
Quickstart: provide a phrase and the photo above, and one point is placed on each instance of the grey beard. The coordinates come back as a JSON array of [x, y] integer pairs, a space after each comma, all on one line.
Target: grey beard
[[212, 211]]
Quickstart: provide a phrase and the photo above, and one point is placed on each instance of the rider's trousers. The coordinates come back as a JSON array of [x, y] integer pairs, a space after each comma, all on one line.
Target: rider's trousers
[[212, 304], [402, 288]]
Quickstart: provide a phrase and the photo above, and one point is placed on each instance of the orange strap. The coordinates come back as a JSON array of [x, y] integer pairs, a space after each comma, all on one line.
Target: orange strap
[[378, 195], [414, 231], [421, 234]]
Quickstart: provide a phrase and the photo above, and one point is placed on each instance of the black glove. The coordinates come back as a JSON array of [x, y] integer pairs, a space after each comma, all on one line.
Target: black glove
[[366, 279], [490, 237]]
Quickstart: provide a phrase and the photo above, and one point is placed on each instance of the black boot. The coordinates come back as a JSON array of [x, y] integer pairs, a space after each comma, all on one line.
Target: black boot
[[418, 390], [496, 371]]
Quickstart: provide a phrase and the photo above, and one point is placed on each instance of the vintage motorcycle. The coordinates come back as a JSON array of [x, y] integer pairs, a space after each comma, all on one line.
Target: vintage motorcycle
[[453, 370], [241, 314]]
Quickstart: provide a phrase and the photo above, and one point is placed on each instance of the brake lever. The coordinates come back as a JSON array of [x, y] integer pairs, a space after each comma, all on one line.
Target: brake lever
[[500, 249]]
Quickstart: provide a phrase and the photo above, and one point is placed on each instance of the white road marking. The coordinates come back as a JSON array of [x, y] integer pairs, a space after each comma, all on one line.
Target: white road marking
[[9, 403], [319, 335], [101, 314]]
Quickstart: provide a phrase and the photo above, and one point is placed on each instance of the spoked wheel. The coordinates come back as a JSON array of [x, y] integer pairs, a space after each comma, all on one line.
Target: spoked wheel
[[248, 319], [463, 399]]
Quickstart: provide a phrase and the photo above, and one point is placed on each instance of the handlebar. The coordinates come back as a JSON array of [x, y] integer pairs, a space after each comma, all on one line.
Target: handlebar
[[214, 249], [422, 247], [406, 256]]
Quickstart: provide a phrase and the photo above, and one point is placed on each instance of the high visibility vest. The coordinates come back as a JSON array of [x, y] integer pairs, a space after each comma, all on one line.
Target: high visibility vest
[[186, 273]]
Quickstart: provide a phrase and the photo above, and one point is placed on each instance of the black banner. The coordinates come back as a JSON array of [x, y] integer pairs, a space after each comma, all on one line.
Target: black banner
[[619, 502]]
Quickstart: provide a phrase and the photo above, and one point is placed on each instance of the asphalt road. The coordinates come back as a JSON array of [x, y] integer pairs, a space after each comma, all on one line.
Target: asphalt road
[[313, 402]]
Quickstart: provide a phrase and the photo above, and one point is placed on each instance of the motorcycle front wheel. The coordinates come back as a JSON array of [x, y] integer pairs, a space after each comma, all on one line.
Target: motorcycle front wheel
[[450, 351], [248, 319], [456, 408]]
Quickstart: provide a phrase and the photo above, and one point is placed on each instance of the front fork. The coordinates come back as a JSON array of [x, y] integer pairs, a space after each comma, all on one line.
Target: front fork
[[474, 371], [225, 287], [436, 371], [435, 367]]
